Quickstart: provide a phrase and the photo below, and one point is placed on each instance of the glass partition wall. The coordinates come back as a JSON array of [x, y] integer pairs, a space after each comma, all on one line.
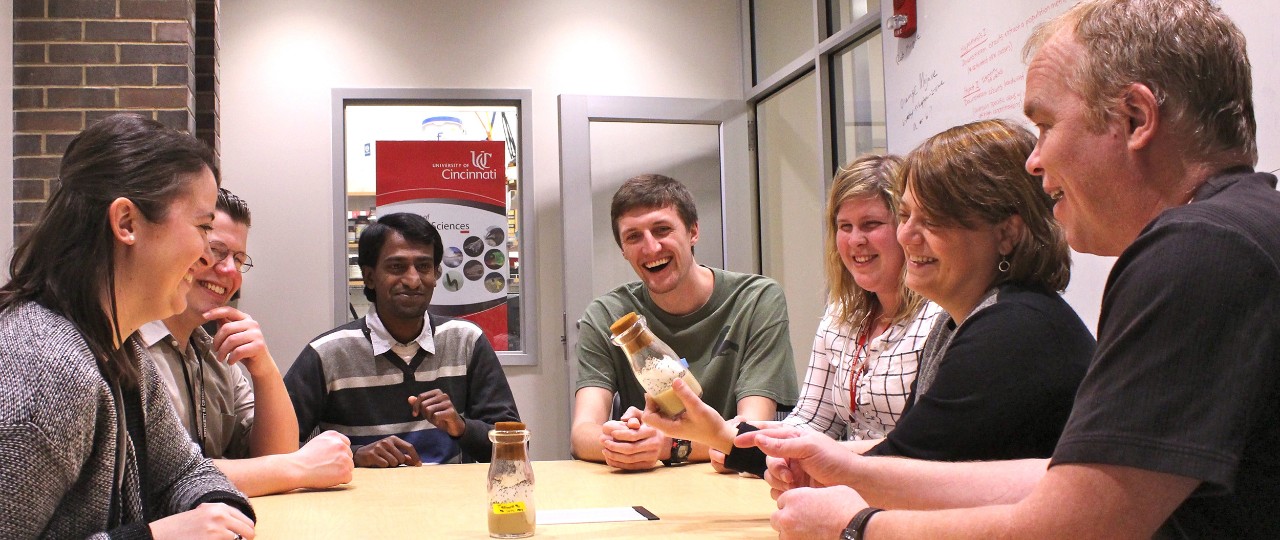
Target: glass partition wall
[[816, 83]]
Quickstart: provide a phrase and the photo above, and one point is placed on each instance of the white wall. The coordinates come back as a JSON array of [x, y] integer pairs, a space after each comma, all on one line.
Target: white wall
[[965, 64], [280, 59], [1256, 20], [792, 208]]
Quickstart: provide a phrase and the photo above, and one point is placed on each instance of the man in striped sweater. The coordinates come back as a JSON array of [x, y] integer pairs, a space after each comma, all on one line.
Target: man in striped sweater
[[407, 387]]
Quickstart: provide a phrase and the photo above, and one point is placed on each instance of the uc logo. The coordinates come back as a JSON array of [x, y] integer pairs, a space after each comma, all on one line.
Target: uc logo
[[480, 160]]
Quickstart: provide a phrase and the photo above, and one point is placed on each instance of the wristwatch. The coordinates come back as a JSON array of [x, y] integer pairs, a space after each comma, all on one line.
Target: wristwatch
[[858, 525], [680, 450]]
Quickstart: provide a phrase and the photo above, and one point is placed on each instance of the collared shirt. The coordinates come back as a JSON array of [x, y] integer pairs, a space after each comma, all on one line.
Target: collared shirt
[[890, 360], [228, 396], [339, 383], [383, 341]]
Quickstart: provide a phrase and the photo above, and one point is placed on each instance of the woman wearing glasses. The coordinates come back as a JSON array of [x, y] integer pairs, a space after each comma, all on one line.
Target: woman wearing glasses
[[91, 445]]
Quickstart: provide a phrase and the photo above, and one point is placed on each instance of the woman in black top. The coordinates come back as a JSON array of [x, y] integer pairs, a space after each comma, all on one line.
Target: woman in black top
[[1000, 371]]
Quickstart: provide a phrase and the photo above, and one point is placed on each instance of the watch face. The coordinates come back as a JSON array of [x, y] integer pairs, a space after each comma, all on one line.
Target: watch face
[[682, 451]]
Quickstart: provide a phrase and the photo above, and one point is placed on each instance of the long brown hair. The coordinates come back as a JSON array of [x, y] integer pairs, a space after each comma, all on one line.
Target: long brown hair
[[66, 261]]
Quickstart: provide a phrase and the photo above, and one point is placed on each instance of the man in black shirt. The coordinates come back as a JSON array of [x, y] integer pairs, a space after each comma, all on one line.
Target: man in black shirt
[[1147, 132]]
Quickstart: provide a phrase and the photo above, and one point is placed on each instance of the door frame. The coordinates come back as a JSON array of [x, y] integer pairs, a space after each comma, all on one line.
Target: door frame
[[737, 187], [522, 99]]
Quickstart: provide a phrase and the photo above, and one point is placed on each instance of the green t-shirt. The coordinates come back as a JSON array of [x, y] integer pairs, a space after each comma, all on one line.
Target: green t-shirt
[[737, 345]]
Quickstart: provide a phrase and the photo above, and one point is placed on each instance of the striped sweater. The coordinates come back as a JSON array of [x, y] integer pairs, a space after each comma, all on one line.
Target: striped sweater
[[338, 383]]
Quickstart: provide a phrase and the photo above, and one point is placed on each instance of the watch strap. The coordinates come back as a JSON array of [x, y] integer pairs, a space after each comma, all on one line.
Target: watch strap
[[680, 450], [858, 525]]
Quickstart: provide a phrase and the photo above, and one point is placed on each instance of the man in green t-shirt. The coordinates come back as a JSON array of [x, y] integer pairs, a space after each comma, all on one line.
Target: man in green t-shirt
[[732, 329]]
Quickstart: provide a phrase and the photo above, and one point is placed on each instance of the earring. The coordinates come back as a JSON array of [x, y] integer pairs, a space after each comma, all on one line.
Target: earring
[[1003, 267]]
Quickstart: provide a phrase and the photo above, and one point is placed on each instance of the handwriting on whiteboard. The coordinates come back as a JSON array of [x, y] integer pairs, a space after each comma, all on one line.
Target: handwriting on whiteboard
[[919, 101], [964, 64], [990, 90]]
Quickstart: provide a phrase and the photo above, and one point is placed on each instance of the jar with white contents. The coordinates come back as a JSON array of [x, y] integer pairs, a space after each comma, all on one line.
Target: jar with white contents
[[655, 365]]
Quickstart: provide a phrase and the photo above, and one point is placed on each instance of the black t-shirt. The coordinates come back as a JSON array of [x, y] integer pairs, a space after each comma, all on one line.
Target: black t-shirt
[[1004, 386], [1186, 379]]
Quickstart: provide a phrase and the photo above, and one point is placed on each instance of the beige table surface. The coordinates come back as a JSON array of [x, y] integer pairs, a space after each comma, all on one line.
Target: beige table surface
[[449, 501]]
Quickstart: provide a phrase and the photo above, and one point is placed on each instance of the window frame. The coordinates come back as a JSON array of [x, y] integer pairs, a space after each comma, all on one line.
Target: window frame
[[526, 217]]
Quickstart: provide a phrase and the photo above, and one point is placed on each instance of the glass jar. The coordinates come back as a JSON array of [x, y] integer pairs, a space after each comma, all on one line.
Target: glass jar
[[655, 365], [511, 509]]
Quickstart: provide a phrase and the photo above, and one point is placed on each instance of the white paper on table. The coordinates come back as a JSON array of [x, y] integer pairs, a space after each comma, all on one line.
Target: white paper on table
[[594, 515]]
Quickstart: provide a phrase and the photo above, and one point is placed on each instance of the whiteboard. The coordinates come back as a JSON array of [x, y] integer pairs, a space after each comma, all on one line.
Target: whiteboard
[[965, 64]]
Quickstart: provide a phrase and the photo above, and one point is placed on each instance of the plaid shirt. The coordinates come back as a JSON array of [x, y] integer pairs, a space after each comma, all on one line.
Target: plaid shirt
[[883, 388]]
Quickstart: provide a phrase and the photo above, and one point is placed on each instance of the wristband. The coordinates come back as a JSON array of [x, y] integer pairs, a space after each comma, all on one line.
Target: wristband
[[858, 525]]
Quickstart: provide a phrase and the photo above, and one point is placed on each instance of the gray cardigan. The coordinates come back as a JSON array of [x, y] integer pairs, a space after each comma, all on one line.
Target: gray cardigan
[[58, 440]]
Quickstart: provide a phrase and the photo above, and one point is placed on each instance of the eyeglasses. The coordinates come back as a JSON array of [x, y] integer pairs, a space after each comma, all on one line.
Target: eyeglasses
[[241, 259]]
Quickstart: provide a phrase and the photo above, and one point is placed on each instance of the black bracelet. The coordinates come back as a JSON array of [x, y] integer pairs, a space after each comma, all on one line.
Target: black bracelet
[[858, 525]]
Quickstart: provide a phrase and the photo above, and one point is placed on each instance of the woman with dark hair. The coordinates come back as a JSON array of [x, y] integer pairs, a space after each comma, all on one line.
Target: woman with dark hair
[[91, 443]]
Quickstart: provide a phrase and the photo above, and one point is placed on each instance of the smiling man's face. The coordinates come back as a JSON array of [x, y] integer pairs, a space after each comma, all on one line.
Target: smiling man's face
[[215, 285], [403, 280], [1089, 170], [659, 247]]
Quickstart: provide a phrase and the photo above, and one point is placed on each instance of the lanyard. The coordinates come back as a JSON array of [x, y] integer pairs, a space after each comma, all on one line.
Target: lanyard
[[186, 377], [860, 353]]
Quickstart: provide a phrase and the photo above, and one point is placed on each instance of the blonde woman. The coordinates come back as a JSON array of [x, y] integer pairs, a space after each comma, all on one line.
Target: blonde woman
[[868, 344]]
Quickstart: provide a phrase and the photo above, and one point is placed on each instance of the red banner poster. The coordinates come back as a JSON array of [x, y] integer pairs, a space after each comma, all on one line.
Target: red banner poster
[[460, 187]]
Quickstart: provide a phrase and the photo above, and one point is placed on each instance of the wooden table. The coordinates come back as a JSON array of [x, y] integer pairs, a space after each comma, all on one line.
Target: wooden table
[[450, 501]]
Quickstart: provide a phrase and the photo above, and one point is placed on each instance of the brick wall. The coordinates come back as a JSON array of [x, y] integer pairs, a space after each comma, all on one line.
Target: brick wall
[[206, 73], [76, 61]]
